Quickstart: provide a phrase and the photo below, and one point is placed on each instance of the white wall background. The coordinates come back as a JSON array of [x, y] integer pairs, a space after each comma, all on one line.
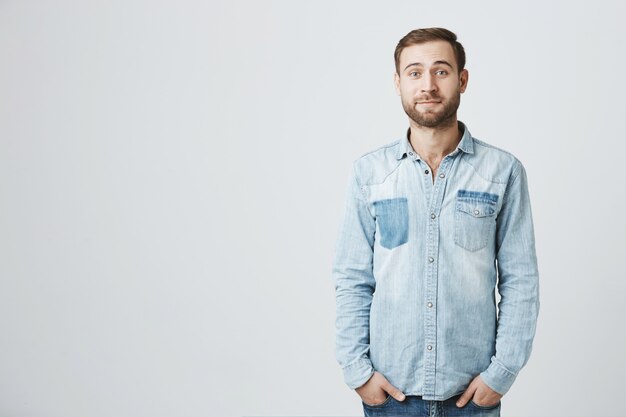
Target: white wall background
[[172, 177]]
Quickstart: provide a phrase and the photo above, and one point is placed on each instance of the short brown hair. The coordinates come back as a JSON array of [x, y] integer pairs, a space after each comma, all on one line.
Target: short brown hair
[[419, 36]]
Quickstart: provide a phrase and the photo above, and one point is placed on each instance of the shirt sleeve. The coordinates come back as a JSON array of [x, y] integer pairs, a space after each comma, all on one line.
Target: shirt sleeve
[[354, 285], [518, 285]]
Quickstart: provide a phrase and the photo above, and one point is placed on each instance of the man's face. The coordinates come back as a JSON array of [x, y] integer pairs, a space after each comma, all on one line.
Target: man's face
[[429, 83]]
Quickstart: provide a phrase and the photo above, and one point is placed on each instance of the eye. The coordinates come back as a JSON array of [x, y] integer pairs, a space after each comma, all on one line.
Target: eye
[[442, 72], [413, 74]]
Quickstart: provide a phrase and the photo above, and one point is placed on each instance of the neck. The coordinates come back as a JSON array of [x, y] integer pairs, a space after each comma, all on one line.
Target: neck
[[433, 144]]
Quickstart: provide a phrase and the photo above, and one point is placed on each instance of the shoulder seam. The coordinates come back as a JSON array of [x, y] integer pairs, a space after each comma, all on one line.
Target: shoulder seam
[[488, 145]]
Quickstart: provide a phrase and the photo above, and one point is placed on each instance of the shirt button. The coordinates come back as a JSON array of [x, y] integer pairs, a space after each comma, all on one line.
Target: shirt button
[[431, 259], [442, 175], [433, 215], [476, 212], [410, 153], [430, 305], [426, 172], [429, 347]]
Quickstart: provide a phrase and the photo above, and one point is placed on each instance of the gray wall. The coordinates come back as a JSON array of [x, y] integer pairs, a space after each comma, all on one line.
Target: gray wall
[[172, 177]]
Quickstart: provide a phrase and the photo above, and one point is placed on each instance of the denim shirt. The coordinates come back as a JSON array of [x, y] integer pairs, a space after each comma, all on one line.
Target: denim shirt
[[417, 263]]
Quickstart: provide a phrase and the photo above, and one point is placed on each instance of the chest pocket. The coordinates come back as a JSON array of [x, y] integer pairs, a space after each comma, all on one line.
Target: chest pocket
[[392, 217], [475, 219]]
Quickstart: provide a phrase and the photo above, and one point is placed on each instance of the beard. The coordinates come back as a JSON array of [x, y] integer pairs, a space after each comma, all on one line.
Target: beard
[[430, 118]]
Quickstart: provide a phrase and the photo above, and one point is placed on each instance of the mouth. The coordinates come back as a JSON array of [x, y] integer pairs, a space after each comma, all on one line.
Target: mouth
[[428, 102]]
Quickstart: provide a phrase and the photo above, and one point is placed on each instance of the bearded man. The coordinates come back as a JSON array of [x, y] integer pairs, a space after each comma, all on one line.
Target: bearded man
[[434, 223]]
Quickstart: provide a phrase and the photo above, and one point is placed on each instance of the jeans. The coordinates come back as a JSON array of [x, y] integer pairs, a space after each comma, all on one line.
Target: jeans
[[414, 406]]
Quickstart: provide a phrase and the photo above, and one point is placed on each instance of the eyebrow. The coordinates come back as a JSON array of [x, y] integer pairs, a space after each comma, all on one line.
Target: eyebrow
[[419, 64]]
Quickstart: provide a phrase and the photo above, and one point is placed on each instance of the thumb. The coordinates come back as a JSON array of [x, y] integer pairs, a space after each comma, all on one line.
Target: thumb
[[393, 391], [467, 395]]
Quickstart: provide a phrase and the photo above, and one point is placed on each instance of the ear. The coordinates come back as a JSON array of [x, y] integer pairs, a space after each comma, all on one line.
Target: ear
[[463, 79], [396, 82]]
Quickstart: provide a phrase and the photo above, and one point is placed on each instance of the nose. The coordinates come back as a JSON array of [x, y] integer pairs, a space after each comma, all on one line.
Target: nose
[[428, 83]]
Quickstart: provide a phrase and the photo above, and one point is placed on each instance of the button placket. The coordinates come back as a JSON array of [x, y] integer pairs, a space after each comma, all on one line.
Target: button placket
[[435, 199]]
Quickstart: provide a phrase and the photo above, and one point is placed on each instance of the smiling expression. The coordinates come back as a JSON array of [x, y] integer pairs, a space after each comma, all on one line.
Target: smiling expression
[[429, 83]]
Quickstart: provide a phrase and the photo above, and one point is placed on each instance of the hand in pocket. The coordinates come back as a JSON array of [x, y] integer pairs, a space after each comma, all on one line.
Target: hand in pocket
[[376, 390]]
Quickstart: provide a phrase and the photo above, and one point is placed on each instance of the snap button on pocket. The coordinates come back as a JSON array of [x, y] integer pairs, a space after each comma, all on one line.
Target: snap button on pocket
[[392, 218]]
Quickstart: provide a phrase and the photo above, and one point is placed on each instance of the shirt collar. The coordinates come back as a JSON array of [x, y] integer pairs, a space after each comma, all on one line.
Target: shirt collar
[[466, 144]]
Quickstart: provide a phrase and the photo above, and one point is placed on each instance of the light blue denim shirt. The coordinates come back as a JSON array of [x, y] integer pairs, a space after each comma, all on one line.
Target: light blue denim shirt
[[417, 263]]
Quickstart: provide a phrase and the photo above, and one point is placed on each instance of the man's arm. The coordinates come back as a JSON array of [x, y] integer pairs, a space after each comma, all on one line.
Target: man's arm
[[354, 286], [518, 285]]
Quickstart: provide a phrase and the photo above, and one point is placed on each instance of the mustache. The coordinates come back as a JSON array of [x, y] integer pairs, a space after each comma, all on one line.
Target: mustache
[[433, 98]]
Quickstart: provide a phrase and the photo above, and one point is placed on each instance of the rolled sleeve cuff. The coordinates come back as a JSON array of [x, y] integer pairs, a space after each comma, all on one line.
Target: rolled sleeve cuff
[[358, 373], [497, 377]]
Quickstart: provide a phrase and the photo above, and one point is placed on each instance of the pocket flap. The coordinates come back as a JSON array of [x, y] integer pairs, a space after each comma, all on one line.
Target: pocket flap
[[476, 208]]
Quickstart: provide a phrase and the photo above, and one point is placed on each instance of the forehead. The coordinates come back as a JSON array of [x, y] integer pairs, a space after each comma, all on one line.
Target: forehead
[[426, 53]]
